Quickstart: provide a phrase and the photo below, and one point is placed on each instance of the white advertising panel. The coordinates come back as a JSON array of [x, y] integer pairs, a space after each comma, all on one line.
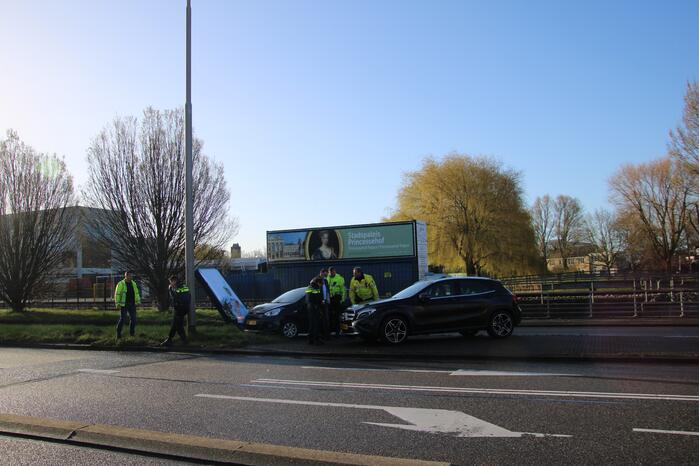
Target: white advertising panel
[[222, 294]]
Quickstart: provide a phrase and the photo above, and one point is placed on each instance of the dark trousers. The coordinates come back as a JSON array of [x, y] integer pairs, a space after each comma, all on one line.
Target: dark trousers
[[314, 314], [335, 309], [325, 320], [178, 327], [131, 310]]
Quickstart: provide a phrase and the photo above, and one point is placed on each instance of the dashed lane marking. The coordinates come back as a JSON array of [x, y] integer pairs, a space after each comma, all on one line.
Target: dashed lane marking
[[488, 391], [659, 431]]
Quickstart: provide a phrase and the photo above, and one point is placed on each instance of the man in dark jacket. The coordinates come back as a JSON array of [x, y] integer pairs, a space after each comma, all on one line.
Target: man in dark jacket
[[314, 307], [180, 299]]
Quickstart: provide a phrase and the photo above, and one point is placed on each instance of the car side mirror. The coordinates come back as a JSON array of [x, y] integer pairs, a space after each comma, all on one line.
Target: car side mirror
[[424, 297]]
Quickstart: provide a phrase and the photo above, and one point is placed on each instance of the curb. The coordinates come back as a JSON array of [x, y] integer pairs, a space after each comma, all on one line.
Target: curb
[[689, 358], [220, 451]]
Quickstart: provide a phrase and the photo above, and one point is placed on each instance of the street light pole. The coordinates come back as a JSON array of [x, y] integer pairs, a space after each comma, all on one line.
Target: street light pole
[[189, 223]]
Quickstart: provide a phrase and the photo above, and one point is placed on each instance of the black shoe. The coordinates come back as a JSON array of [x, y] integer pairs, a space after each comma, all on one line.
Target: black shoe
[[167, 342]]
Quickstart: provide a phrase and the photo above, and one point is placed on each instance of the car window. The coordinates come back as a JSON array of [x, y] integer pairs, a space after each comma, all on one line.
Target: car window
[[291, 296], [475, 286], [440, 290]]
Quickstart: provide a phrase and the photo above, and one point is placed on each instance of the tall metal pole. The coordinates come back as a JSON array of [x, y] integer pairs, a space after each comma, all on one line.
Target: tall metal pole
[[189, 223]]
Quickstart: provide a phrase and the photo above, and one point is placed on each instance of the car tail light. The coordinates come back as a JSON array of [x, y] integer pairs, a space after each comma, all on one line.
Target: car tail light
[[515, 300]]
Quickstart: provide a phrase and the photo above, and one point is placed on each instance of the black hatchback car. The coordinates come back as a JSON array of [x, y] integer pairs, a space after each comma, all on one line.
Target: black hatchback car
[[466, 305], [285, 314]]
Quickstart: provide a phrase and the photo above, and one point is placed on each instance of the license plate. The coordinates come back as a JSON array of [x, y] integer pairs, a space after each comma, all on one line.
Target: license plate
[[252, 323], [344, 327]]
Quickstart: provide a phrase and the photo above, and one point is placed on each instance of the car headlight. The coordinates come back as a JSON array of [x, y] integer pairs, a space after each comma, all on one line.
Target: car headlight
[[273, 312], [366, 312]]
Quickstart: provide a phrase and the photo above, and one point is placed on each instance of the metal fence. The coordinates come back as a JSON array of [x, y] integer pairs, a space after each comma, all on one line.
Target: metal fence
[[581, 296]]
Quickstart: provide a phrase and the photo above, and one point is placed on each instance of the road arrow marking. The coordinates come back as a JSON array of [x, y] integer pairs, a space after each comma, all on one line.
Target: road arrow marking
[[433, 421], [480, 391]]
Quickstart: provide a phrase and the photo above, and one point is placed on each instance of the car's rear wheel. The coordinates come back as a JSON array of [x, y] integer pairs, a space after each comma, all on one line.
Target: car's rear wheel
[[468, 333], [394, 330], [501, 324], [290, 329]]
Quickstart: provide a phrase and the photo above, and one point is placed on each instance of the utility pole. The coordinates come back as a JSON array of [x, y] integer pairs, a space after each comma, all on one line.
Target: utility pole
[[189, 223]]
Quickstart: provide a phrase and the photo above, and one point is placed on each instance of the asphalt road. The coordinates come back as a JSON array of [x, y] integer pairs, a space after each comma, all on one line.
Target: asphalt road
[[486, 412]]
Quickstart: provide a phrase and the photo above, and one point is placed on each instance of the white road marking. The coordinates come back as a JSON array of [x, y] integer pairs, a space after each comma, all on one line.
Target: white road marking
[[373, 369], [434, 421], [489, 391], [98, 371], [509, 373], [465, 372], [658, 431]]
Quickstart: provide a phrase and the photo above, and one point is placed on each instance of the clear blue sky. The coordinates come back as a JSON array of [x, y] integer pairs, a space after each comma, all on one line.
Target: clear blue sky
[[316, 108]]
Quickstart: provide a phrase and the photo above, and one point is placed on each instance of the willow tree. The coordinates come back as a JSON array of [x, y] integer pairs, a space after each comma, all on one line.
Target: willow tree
[[477, 220], [136, 174], [36, 230]]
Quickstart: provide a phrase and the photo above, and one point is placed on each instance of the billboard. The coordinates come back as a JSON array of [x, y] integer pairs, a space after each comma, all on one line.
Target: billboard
[[338, 243], [230, 307]]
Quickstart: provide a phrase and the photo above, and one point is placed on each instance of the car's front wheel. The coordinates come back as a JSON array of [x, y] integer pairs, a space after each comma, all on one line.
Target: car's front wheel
[[290, 329], [394, 330], [501, 324]]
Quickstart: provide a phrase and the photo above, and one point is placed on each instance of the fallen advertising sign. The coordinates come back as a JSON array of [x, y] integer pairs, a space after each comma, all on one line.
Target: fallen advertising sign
[[224, 298]]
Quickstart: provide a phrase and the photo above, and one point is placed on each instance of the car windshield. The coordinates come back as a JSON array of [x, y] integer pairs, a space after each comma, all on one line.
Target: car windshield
[[411, 290], [290, 296]]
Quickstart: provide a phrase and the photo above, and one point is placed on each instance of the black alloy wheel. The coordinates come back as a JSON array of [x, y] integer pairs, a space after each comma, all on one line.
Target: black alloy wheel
[[501, 324], [290, 329], [394, 330]]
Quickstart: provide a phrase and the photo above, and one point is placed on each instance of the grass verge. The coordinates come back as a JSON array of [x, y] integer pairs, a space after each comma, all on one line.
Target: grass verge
[[98, 328]]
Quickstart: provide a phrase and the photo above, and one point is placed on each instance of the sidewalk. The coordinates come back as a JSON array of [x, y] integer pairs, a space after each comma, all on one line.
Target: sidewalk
[[667, 348]]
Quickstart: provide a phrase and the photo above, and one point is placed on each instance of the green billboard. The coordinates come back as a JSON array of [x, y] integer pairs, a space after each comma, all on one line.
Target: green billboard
[[354, 242]]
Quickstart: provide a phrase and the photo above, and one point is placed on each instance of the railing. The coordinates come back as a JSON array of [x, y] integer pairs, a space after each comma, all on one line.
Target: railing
[[605, 304]]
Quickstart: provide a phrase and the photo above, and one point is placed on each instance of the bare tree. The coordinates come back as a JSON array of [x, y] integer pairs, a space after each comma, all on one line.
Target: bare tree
[[684, 139], [36, 230], [568, 225], [654, 196], [137, 174], [255, 254], [684, 148], [542, 213], [605, 233]]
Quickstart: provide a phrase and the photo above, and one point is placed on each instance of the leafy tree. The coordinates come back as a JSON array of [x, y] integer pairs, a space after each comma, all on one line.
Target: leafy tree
[[136, 173], [36, 229], [476, 217]]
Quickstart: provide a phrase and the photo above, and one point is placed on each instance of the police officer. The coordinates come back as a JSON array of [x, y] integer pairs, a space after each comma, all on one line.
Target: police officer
[[336, 283], [314, 305], [325, 308], [126, 298], [180, 298], [362, 287]]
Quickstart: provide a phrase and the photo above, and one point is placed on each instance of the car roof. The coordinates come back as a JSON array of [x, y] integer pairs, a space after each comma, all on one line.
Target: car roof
[[460, 278]]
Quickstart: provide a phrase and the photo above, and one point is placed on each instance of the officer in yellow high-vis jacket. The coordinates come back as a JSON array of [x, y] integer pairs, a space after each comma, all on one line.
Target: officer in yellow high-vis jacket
[[336, 283], [362, 287], [126, 298]]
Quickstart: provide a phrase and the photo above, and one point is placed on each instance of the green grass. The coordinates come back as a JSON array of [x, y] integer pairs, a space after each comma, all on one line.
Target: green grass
[[98, 328]]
